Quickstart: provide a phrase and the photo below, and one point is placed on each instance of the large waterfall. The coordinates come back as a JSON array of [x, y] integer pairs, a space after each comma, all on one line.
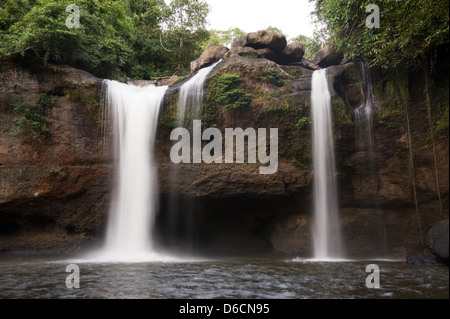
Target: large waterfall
[[135, 112], [326, 228]]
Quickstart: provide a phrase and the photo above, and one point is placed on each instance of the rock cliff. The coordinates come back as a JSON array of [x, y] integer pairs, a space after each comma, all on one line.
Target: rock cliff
[[54, 195]]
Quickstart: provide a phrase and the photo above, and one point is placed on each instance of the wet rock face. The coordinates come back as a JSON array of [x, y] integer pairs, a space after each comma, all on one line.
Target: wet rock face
[[328, 56], [437, 240], [54, 193]]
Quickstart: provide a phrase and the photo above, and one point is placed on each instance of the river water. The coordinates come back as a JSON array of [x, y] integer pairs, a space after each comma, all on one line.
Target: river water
[[230, 278]]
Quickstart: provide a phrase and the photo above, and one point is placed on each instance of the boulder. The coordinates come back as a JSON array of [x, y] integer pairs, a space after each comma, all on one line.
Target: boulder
[[211, 55], [267, 53], [245, 52], [293, 52], [307, 64], [328, 56], [274, 40], [437, 240], [239, 42]]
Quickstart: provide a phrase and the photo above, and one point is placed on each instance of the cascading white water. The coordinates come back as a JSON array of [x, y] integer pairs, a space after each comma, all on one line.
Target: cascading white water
[[190, 100], [326, 228], [181, 217], [135, 114], [363, 115]]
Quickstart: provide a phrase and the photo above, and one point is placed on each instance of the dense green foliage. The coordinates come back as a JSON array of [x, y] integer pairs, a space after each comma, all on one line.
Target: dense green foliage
[[184, 30], [225, 90], [274, 77], [115, 38], [31, 121], [409, 29]]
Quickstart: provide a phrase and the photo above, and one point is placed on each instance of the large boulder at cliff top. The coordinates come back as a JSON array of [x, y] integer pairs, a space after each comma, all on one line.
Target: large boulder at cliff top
[[267, 53], [239, 42], [211, 55], [437, 240], [293, 52], [274, 40], [328, 56]]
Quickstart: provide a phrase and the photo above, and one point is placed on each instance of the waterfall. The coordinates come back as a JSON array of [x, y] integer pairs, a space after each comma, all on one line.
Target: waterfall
[[135, 114], [181, 220], [363, 115], [326, 228], [190, 101]]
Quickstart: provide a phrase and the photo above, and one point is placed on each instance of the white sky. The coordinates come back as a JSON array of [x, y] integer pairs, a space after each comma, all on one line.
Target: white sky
[[292, 17]]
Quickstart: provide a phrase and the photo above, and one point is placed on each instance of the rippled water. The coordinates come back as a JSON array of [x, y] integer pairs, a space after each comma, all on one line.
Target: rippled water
[[220, 278]]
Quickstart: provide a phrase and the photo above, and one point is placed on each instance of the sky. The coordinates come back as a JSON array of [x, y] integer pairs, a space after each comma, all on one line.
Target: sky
[[292, 17]]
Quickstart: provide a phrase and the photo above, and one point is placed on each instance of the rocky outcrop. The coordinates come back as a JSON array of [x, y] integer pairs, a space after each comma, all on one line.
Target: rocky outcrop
[[265, 44], [243, 51], [328, 56], [293, 52], [274, 40], [437, 240], [211, 55], [53, 194], [267, 53], [239, 42]]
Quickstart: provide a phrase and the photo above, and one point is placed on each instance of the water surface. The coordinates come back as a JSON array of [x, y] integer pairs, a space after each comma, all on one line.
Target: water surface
[[233, 278]]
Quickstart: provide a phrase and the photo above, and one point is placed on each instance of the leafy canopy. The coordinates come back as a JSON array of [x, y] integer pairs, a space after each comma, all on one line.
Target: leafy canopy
[[116, 38], [409, 29]]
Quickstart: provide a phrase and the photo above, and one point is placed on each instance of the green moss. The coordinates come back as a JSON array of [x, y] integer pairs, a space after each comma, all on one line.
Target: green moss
[[181, 78], [272, 76], [225, 89], [445, 201], [89, 98], [340, 114], [304, 122], [168, 115], [252, 54], [32, 121], [294, 138], [391, 106], [442, 103]]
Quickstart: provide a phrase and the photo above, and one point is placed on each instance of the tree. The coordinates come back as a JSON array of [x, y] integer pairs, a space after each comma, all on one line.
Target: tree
[[408, 29], [99, 45], [225, 38], [184, 27], [115, 38], [149, 58]]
